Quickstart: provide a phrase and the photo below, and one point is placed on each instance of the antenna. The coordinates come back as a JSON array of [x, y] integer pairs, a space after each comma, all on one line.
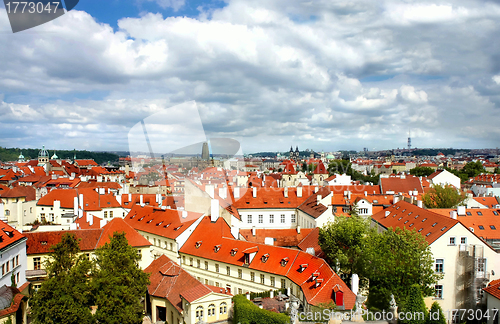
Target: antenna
[[409, 141]]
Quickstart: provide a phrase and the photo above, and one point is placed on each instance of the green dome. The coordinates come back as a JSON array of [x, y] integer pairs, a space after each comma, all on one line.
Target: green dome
[[43, 152]]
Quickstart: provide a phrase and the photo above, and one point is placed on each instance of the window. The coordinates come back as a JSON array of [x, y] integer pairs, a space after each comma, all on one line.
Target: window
[[216, 267], [198, 263], [261, 219], [273, 282], [139, 254], [452, 241], [191, 261], [199, 313], [37, 264], [240, 273], [294, 219], [252, 276], [105, 214], [211, 310], [493, 227], [463, 240], [262, 279], [206, 265], [480, 213], [3, 269], [283, 283], [249, 219], [111, 214], [439, 265], [481, 227], [228, 271], [439, 291], [240, 291], [481, 264], [469, 214], [171, 246], [7, 213], [271, 219], [223, 307], [282, 218], [37, 286]]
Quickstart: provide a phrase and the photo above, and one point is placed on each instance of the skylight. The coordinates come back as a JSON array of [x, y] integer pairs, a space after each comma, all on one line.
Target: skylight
[[481, 227], [493, 227]]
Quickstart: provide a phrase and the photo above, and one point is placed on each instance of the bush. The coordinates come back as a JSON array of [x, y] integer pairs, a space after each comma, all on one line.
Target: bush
[[245, 312], [414, 304], [436, 315]]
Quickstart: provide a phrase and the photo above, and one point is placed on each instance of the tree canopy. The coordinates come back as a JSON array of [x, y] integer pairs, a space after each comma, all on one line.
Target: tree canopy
[[119, 283], [113, 282], [440, 196], [421, 171], [65, 296]]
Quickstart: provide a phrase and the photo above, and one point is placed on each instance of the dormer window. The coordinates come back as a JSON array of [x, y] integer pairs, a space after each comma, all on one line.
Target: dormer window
[[159, 223], [132, 217], [149, 221], [303, 267], [141, 218], [216, 248], [198, 244], [284, 261], [265, 257], [233, 251], [177, 228], [165, 226], [317, 282], [315, 275]]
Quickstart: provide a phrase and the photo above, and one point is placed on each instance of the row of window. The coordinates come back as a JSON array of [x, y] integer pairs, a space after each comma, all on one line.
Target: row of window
[[480, 265], [463, 240], [262, 277], [169, 246], [9, 265], [210, 310], [260, 219]]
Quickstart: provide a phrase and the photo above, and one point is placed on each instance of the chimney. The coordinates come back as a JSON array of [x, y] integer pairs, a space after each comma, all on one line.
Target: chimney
[[210, 190], [81, 201], [349, 194], [102, 191], [254, 231], [254, 192], [461, 210], [319, 198], [316, 189], [387, 213], [223, 192], [366, 193], [298, 229], [141, 200], [119, 199], [299, 191], [453, 214], [129, 197], [235, 232], [102, 223], [75, 206], [184, 214], [420, 204], [214, 210], [236, 192], [396, 199], [285, 192], [91, 220]]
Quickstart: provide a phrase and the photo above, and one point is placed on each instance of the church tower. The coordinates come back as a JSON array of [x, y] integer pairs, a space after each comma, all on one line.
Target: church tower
[[43, 157]]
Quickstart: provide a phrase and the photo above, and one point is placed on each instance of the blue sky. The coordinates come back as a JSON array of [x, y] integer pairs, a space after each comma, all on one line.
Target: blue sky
[[324, 75]]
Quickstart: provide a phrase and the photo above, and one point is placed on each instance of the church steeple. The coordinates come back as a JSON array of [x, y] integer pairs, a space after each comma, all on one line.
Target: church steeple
[[43, 156]]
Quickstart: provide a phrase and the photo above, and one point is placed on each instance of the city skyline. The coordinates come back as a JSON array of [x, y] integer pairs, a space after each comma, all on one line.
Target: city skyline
[[268, 74]]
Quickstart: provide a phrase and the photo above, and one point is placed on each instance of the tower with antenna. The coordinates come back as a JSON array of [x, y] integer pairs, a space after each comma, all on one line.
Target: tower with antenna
[[409, 141]]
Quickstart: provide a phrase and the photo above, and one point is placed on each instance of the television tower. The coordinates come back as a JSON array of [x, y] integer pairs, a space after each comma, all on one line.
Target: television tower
[[409, 141]]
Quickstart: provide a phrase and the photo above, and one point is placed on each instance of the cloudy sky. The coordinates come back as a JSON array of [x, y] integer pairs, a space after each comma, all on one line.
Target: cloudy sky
[[320, 74]]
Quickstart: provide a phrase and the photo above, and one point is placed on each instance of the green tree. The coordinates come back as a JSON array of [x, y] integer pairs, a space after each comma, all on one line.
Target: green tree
[[421, 171], [345, 243], [414, 306], [398, 259], [436, 315], [339, 167], [65, 296], [440, 196], [473, 169], [119, 283]]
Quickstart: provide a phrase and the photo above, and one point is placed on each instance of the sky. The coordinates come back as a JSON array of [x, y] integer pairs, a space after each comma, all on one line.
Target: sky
[[325, 75]]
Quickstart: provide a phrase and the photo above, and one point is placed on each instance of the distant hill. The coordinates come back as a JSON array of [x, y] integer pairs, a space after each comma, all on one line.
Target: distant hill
[[12, 154]]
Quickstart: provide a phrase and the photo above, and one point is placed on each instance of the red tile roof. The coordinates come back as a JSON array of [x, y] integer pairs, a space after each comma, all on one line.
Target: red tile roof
[[396, 184], [21, 191], [493, 289], [93, 201], [271, 259], [311, 207], [164, 222], [405, 215], [86, 163], [312, 241], [283, 237], [272, 198], [168, 280], [8, 236], [89, 239], [484, 222]]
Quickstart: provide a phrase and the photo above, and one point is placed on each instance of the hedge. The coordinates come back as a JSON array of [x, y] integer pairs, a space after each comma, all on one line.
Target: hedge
[[246, 312]]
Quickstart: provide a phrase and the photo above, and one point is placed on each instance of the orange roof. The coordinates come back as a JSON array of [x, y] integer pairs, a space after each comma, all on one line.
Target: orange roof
[[168, 280], [93, 201], [271, 259], [312, 241], [272, 198], [147, 199], [95, 184], [311, 207], [8, 236], [396, 184], [493, 289], [485, 223], [164, 222], [21, 191], [489, 202], [86, 163], [282, 237], [405, 215], [89, 239]]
